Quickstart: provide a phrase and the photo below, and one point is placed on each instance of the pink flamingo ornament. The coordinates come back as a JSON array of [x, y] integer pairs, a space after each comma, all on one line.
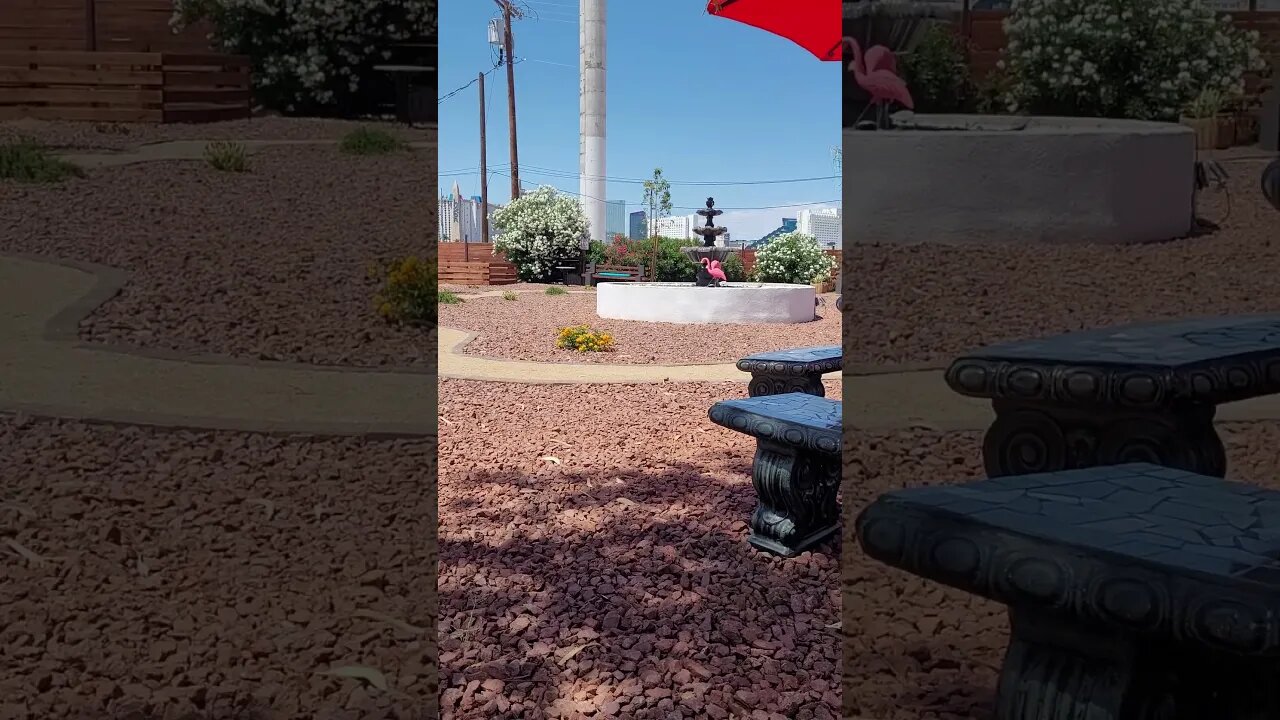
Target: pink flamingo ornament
[[877, 74], [717, 272]]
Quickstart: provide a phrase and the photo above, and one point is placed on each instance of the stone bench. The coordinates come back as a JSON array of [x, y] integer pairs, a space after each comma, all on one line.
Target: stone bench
[[786, 371], [1133, 591], [796, 469], [1136, 393]]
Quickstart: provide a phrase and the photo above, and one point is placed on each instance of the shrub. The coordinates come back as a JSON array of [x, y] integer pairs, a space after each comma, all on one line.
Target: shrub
[[226, 156], [553, 290], [673, 265], [792, 258], [733, 268], [444, 297], [583, 339], [28, 162], [598, 252], [1122, 58], [409, 294], [508, 295], [937, 72], [310, 55], [536, 229], [370, 141]]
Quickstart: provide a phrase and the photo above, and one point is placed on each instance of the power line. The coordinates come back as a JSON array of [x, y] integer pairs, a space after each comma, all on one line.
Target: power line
[[703, 207], [474, 80], [538, 170], [567, 175]]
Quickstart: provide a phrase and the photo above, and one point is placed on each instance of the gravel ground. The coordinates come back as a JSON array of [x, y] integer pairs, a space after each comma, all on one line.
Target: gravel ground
[[272, 264], [933, 302], [616, 579], [151, 574], [913, 648], [121, 136], [526, 329]]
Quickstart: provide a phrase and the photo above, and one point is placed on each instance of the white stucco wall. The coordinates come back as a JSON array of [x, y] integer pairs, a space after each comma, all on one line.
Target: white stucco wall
[[1056, 180], [740, 303]]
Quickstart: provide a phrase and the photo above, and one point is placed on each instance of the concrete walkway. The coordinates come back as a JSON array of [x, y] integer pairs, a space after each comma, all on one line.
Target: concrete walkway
[[184, 150], [875, 397], [45, 370]]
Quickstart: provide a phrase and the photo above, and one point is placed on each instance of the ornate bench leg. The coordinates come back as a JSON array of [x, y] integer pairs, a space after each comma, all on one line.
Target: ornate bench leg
[[796, 498], [768, 384], [1029, 438], [1055, 669]]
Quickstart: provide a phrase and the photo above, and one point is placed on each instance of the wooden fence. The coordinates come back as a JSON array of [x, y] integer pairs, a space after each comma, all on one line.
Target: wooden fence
[[109, 25], [123, 86], [475, 264]]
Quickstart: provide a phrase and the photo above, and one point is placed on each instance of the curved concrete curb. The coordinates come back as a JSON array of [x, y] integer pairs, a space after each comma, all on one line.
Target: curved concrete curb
[[45, 370]]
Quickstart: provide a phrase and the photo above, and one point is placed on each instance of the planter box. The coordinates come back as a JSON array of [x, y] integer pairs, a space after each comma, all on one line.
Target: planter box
[[825, 287], [1206, 131], [1225, 132]]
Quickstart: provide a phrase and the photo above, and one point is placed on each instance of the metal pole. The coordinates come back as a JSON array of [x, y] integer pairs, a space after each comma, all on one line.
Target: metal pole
[[508, 43], [484, 177]]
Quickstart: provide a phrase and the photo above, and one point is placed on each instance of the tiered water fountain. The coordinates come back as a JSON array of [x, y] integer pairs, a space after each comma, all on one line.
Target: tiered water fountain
[[690, 303]]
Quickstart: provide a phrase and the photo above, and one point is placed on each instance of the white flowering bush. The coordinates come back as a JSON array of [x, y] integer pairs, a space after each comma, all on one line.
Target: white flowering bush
[[1139, 59], [792, 258], [536, 229], [310, 54]]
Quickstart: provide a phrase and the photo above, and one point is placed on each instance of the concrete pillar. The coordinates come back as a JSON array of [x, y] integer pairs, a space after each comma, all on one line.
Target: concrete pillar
[[591, 41]]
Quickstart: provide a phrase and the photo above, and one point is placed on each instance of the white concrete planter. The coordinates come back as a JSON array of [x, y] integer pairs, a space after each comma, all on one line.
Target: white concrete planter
[[685, 303], [962, 178]]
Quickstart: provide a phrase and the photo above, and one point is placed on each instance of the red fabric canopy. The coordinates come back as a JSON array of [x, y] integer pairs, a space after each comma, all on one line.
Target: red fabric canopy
[[812, 24]]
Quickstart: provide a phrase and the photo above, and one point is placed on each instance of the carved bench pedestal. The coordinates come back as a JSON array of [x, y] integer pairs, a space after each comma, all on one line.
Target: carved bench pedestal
[[796, 469]]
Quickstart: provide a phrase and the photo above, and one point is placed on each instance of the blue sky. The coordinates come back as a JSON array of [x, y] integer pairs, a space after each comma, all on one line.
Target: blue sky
[[773, 112]]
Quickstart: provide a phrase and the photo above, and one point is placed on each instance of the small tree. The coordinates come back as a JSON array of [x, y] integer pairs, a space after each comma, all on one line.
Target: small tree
[[792, 258], [657, 196], [537, 228]]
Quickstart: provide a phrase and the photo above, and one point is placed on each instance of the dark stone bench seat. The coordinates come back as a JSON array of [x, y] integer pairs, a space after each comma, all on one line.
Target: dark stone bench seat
[[796, 469], [786, 371], [1132, 589], [1135, 393]]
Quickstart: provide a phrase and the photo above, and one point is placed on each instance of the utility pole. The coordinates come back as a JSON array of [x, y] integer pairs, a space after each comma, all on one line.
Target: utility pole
[[484, 176], [508, 44]]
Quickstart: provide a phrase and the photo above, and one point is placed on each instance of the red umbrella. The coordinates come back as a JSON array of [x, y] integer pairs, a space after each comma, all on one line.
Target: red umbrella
[[814, 25]]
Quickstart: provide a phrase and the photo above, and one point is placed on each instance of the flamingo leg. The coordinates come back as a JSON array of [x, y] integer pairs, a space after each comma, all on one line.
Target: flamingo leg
[[863, 114]]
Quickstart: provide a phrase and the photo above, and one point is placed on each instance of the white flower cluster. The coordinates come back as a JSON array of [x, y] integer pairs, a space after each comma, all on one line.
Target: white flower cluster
[[537, 228], [1122, 58], [792, 258], [306, 51]]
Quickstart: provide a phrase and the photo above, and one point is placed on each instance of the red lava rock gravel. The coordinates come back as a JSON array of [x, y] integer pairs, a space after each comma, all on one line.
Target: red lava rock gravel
[[271, 264], [914, 648], [594, 564], [120, 136], [526, 329], [152, 574], [933, 302]]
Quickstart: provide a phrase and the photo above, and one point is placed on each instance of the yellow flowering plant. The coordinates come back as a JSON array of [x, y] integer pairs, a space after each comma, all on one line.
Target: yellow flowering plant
[[408, 294], [581, 338]]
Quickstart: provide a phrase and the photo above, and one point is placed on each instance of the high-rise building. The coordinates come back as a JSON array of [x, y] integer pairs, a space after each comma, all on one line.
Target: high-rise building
[[676, 226], [615, 218], [468, 219], [823, 225], [788, 226], [636, 223]]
